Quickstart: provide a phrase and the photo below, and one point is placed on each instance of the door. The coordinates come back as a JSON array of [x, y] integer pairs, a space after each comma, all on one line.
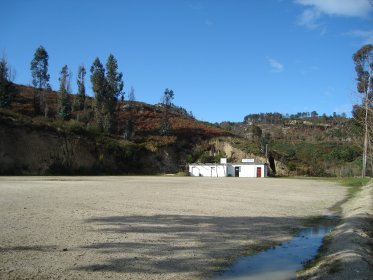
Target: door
[[237, 171], [258, 172]]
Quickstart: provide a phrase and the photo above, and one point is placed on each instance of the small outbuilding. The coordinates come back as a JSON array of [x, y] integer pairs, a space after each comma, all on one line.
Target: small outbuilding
[[247, 168]]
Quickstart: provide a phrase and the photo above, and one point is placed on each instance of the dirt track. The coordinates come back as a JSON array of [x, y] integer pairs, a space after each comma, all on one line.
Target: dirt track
[[147, 227]]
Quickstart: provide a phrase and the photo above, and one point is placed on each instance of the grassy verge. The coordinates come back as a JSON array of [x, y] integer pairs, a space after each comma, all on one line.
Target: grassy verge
[[354, 184]]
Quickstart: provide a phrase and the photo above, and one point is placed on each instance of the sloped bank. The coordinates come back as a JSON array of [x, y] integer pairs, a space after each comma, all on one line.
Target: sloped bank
[[348, 251], [32, 150]]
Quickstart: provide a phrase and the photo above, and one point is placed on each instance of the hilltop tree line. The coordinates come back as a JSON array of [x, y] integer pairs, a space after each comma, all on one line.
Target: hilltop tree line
[[278, 118], [107, 85]]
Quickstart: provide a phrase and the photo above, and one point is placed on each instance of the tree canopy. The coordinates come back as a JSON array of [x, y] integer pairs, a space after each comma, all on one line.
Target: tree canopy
[[39, 68]]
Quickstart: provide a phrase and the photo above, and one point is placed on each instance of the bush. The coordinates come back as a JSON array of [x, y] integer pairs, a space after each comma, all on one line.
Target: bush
[[292, 167]]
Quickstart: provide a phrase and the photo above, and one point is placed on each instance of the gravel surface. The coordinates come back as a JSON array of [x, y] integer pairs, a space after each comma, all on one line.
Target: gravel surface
[[147, 227]]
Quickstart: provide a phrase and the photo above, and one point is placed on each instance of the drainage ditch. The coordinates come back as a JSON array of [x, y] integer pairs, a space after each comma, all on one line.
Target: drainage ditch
[[280, 262]]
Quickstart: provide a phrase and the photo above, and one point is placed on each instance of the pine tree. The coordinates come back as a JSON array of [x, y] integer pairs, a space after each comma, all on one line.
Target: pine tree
[[40, 79], [64, 105]]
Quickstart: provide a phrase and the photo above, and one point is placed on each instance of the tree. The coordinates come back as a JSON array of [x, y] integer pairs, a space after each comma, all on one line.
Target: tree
[[80, 97], [99, 86], [40, 78], [167, 98], [131, 95], [6, 85], [64, 105], [130, 126], [114, 79], [363, 60], [129, 129], [115, 88], [107, 88], [314, 114], [39, 69]]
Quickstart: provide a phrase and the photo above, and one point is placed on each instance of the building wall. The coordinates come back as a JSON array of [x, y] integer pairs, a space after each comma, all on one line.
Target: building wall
[[245, 170], [224, 170], [208, 170]]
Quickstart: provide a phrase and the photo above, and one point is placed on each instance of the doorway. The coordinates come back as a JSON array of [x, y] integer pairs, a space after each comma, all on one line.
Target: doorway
[[237, 171], [258, 172]]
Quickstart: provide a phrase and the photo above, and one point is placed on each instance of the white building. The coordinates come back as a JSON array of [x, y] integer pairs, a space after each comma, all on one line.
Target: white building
[[247, 168]]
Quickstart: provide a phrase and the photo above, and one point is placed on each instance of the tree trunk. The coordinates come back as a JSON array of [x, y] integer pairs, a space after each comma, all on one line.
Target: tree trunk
[[365, 152]]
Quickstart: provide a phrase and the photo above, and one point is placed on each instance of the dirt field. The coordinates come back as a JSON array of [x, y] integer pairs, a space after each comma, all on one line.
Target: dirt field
[[147, 227]]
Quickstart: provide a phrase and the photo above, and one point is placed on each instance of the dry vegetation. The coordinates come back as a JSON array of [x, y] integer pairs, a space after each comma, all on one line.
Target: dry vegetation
[[147, 118]]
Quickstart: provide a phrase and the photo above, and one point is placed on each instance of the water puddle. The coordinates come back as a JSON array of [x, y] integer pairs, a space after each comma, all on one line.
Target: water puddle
[[280, 262]]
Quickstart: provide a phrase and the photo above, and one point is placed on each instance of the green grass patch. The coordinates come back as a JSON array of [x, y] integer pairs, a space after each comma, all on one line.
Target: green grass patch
[[354, 184], [354, 181]]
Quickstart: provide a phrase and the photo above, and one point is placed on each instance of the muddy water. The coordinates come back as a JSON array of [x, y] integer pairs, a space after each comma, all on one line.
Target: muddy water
[[280, 262]]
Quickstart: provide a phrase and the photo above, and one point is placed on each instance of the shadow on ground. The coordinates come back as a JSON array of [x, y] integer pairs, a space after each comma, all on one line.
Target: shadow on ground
[[176, 243], [36, 248]]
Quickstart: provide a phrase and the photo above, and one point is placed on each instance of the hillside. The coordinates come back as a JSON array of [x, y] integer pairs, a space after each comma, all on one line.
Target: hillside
[[34, 144], [147, 118], [307, 145]]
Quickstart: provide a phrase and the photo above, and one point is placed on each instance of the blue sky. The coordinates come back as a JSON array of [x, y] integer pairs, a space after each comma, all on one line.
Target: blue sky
[[223, 59]]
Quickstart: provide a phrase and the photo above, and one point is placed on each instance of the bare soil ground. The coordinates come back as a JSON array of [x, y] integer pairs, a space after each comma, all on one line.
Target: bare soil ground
[[147, 227]]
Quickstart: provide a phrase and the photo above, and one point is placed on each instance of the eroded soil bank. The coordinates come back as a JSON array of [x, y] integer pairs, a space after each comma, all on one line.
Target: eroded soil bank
[[147, 227], [348, 250]]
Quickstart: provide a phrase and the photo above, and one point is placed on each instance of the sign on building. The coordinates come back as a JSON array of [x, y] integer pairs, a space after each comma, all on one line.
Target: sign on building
[[248, 160]]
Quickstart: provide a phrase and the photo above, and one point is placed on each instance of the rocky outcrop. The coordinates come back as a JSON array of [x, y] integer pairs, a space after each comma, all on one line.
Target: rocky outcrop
[[237, 155]]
